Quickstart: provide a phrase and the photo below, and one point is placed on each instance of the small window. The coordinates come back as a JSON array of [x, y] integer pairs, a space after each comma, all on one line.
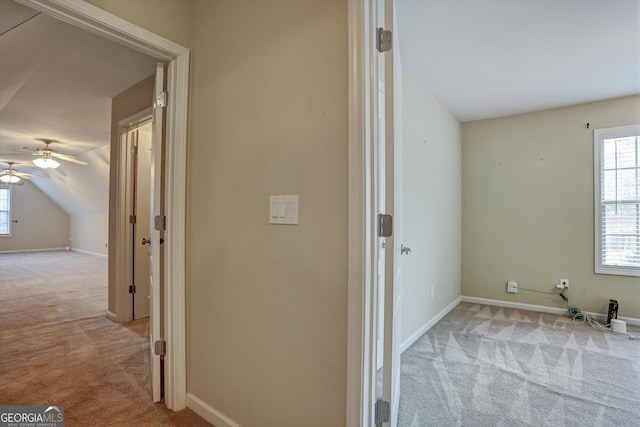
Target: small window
[[5, 211], [617, 200]]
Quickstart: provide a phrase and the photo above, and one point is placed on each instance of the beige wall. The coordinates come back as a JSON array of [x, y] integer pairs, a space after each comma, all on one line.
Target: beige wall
[[169, 18], [432, 205], [89, 233], [267, 313], [42, 224], [528, 207], [267, 304], [133, 100]]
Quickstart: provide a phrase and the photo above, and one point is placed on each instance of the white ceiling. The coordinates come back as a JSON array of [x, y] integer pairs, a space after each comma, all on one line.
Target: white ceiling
[[492, 58], [57, 81]]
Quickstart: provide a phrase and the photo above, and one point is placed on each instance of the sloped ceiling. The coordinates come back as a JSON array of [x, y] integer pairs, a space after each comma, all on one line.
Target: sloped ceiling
[[56, 82], [490, 58]]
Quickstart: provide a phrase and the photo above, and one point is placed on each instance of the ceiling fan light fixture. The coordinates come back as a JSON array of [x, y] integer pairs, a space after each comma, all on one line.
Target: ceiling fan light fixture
[[9, 179], [46, 163]]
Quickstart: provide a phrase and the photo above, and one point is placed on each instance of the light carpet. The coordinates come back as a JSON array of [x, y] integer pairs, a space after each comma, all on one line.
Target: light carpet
[[58, 348], [491, 366]]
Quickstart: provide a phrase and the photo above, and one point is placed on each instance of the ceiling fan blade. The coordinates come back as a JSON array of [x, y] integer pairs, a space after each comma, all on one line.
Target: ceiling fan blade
[[22, 174], [25, 150], [69, 158]]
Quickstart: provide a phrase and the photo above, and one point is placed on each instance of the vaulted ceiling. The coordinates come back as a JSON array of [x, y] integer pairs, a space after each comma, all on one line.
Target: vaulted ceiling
[[56, 82]]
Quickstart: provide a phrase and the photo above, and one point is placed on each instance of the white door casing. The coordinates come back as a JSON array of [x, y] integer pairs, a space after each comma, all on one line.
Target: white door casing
[[393, 260], [125, 239], [381, 208], [93, 19], [155, 247]]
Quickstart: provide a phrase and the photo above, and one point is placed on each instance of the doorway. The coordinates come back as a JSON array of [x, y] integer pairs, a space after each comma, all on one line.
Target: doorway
[[95, 20], [136, 144]]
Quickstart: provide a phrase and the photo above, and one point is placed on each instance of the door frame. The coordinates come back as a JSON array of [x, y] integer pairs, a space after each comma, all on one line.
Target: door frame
[[124, 252], [106, 25], [360, 326], [362, 266]]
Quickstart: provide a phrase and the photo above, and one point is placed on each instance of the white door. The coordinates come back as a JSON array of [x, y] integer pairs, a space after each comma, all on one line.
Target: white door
[[155, 232], [141, 160], [381, 208], [393, 244]]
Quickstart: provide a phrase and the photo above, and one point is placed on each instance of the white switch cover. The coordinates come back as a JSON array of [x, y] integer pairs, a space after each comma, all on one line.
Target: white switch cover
[[283, 209]]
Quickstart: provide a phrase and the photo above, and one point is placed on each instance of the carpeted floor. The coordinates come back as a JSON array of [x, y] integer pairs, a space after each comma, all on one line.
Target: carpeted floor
[[491, 366], [58, 348]]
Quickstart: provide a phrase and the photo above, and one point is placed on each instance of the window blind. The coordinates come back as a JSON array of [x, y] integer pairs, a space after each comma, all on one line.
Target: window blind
[[619, 201], [5, 213]]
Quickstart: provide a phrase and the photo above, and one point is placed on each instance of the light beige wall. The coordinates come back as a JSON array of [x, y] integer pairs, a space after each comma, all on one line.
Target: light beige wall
[[90, 233], [528, 207], [133, 100], [169, 18], [42, 224], [432, 205], [267, 304]]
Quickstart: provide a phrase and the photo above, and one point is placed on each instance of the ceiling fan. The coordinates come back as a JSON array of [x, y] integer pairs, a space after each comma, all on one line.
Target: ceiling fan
[[47, 156], [11, 176]]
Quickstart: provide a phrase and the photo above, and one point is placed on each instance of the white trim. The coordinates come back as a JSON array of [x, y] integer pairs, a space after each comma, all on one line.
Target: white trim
[[16, 251], [209, 413], [361, 341], [98, 21], [430, 324], [175, 161], [516, 305], [112, 316], [82, 251], [598, 136], [124, 233], [538, 308], [9, 188], [104, 24]]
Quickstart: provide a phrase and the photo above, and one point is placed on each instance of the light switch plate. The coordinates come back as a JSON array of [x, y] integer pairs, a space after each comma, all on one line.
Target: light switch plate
[[283, 210]]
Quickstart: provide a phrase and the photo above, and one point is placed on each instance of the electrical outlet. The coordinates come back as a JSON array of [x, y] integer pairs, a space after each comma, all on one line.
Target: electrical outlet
[[565, 284], [433, 291], [512, 287]]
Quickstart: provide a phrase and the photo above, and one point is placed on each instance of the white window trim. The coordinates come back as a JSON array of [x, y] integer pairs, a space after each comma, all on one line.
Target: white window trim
[[598, 135], [8, 187]]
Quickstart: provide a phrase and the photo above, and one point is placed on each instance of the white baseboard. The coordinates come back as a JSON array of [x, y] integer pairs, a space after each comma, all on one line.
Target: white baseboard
[[112, 316], [82, 251], [16, 251], [539, 308], [424, 328], [209, 413]]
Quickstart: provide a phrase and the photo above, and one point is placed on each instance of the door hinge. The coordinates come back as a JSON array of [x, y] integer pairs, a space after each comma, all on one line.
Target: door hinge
[[383, 41], [159, 222], [132, 289], [161, 99], [132, 219], [160, 347], [385, 225], [382, 414]]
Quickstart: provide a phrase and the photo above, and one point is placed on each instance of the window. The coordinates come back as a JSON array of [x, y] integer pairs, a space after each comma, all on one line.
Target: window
[[617, 200], [5, 211]]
